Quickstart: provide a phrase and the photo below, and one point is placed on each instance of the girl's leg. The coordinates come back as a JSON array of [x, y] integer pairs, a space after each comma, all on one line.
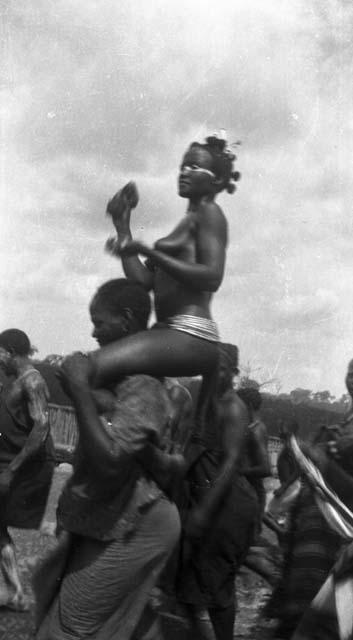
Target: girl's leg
[[156, 352]]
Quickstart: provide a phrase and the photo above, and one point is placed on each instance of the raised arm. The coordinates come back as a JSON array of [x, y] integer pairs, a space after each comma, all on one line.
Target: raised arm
[[206, 273], [134, 269]]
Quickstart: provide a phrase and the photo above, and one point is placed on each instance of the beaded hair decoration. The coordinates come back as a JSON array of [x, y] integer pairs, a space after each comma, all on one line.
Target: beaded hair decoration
[[218, 143]]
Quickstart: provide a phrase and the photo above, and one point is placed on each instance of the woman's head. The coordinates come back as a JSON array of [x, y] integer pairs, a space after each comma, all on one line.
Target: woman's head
[[228, 361], [207, 169], [16, 342], [119, 307], [251, 397], [13, 343]]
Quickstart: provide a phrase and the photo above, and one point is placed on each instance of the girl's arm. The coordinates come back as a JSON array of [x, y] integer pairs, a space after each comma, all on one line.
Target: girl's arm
[[132, 265], [207, 273]]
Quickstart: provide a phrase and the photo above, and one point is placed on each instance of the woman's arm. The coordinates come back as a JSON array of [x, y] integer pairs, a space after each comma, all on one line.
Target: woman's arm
[[139, 414], [207, 273], [261, 467], [167, 469], [97, 445], [30, 388]]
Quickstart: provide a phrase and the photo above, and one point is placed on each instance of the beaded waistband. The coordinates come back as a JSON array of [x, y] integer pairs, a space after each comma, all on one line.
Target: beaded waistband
[[195, 326]]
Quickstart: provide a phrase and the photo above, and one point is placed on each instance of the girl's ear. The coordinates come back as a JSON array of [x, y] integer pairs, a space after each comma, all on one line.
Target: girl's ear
[[218, 183]]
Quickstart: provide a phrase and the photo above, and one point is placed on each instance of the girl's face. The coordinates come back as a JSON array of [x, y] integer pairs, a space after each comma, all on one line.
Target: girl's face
[[196, 177]]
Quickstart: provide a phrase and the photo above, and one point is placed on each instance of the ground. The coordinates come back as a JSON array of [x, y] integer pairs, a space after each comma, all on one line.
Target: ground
[[252, 590]]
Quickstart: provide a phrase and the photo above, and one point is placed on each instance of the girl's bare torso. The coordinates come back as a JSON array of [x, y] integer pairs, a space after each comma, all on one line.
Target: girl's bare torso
[[170, 296]]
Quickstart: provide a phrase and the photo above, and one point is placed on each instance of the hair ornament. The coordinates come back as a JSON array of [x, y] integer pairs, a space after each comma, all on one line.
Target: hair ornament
[[223, 157]]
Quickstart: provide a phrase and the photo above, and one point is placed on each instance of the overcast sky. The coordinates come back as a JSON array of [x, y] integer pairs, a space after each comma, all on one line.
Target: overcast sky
[[98, 92]]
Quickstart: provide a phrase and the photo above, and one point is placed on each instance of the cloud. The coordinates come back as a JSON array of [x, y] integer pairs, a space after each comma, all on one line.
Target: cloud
[[96, 94]]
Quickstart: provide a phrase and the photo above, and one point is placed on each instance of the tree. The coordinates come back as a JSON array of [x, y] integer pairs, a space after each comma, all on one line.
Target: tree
[[344, 401], [300, 395], [322, 396], [245, 381]]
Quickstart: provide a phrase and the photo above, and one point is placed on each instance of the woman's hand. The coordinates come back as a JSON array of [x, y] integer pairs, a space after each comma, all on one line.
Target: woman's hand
[[338, 448], [132, 248], [75, 371]]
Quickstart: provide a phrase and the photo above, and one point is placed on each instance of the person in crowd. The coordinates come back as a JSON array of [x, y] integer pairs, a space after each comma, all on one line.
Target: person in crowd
[[26, 454], [118, 527], [257, 462], [287, 467], [220, 521], [183, 270], [311, 544], [330, 614]]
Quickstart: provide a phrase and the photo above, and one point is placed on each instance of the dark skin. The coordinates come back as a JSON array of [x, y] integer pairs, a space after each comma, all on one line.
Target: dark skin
[[258, 453], [188, 267], [232, 418], [96, 444], [29, 389]]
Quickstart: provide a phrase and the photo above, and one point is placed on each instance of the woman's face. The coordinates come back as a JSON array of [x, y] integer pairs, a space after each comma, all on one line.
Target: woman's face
[[107, 326], [196, 177]]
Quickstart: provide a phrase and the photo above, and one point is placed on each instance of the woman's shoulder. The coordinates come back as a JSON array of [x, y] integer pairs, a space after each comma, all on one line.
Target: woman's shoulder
[[210, 214]]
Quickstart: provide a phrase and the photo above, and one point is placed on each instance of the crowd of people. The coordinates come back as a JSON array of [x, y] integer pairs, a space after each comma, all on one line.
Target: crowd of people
[[167, 490]]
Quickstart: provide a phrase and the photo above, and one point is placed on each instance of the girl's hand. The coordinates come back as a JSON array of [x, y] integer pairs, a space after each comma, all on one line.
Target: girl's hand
[[119, 207], [120, 212], [132, 248]]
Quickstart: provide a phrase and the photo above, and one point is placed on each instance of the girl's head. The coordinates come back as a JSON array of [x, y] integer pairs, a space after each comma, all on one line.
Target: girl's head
[[207, 169], [228, 361]]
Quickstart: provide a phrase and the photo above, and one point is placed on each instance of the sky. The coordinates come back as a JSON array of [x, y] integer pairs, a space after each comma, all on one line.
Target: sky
[[95, 93]]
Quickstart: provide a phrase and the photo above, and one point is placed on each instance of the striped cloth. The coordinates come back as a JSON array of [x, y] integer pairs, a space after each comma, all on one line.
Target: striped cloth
[[337, 514], [330, 615], [107, 585]]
